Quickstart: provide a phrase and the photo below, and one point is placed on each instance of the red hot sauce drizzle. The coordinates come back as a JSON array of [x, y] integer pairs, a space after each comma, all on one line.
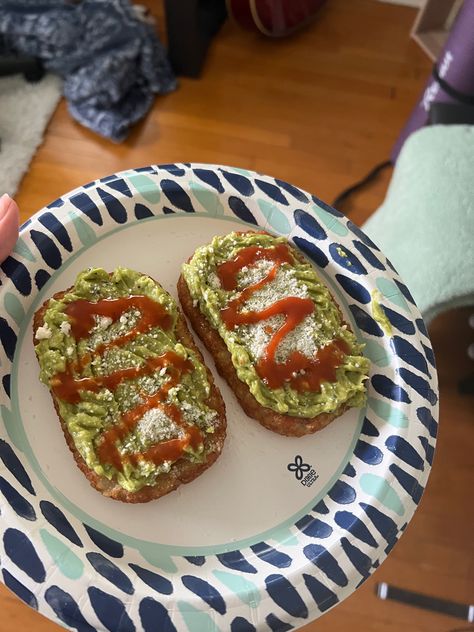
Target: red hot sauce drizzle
[[302, 373], [67, 387]]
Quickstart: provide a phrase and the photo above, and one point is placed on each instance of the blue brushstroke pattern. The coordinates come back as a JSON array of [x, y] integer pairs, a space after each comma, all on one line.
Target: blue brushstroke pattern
[[408, 482], [405, 451], [322, 595], [47, 248], [243, 185], [239, 208], [22, 553], [41, 277], [285, 595], [56, 204], [360, 560], [386, 387], [105, 544], [173, 169], [270, 555], [313, 527], [428, 448], [354, 289], [366, 322], [342, 493], [6, 382], [421, 327], [409, 353], [369, 429], [153, 580], [51, 222], [276, 625], [347, 260], [309, 224], [142, 211], [327, 563], [368, 255], [19, 275], [427, 419], [272, 191], [239, 624], [197, 560], [429, 355], [114, 207], [15, 466], [368, 453], [110, 611], [361, 235], [8, 338], [326, 207], [420, 385], [20, 591], [154, 616], [292, 190], [236, 561], [58, 520], [111, 572], [211, 178], [313, 252], [405, 291], [398, 321], [66, 609], [16, 501], [119, 184], [321, 508], [208, 593], [349, 470], [384, 524], [348, 521], [85, 204]]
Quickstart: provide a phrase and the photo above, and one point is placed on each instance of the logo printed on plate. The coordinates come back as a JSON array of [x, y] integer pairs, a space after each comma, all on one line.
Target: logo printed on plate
[[304, 472]]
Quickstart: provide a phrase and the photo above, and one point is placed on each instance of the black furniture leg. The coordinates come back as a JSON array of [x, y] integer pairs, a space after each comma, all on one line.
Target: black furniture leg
[[191, 24], [29, 67]]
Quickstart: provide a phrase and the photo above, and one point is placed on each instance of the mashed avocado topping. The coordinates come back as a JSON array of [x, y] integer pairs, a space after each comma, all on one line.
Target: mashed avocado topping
[[379, 314], [253, 298], [124, 380]]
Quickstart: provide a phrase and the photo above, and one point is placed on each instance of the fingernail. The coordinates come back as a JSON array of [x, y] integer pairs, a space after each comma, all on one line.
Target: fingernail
[[5, 202]]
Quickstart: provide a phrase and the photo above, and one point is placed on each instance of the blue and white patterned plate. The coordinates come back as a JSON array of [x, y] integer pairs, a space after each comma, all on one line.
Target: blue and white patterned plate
[[280, 529]]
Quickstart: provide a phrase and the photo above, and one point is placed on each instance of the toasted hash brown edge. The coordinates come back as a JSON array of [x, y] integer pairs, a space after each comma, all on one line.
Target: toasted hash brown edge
[[286, 425], [181, 471]]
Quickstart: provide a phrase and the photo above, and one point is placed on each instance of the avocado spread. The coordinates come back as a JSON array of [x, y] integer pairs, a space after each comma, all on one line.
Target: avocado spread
[[114, 346], [249, 342]]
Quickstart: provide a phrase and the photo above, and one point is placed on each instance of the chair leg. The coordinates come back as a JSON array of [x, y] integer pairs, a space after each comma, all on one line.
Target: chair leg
[[191, 25]]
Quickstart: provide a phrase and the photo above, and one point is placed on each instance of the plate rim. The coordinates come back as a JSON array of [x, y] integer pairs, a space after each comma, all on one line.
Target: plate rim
[[161, 170]]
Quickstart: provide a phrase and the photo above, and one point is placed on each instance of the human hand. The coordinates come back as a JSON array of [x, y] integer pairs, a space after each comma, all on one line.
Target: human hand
[[9, 218]]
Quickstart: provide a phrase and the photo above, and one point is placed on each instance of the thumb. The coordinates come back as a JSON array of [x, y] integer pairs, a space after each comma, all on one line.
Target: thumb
[[9, 217]]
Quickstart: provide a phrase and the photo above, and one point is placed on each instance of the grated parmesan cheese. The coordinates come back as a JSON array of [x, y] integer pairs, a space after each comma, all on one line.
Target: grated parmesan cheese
[[214, 281], [156, 426], [283, 285], [257, 336], [103, 322], [249, 275]]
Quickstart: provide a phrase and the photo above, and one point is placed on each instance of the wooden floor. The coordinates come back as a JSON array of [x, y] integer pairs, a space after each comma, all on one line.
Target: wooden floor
[[319, 110]]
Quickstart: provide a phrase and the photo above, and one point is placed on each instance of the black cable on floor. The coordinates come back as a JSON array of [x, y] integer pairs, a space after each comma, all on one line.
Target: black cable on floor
[[342, 197]]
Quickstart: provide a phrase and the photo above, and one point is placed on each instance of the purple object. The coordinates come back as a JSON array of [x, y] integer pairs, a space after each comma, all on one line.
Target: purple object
[[455, 69]]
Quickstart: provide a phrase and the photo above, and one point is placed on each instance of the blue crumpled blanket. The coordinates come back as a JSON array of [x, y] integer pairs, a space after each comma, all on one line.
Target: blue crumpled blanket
[[112, 61]]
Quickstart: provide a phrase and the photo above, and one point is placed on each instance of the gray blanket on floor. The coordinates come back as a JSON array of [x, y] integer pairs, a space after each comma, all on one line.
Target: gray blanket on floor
[[112, 61]]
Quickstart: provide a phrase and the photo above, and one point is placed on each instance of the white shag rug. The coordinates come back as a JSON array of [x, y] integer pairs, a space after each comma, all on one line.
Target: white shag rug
[[25, 110]]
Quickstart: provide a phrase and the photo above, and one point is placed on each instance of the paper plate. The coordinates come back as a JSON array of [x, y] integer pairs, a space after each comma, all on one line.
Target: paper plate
[[280, 529]]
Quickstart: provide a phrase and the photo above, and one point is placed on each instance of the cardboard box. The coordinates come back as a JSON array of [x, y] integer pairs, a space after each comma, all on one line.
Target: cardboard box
[[433, 24]]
